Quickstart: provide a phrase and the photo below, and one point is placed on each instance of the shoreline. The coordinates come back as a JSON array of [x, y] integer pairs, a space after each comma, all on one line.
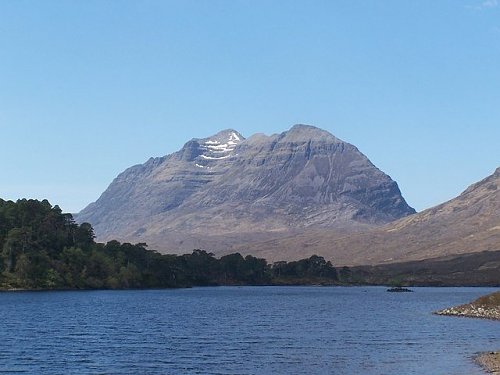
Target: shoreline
[[470, 310], [489, 361], [486, 307]]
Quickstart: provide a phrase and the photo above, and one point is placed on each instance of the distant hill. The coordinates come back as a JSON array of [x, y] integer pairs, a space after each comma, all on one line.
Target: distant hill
[[472, 269], [223, 191], [465, 224]]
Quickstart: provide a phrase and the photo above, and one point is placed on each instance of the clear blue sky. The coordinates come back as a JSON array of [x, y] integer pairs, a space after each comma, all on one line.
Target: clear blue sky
[[89, 88]]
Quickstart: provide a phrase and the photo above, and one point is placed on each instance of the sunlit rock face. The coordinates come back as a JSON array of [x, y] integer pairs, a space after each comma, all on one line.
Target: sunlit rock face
[[226, 189]]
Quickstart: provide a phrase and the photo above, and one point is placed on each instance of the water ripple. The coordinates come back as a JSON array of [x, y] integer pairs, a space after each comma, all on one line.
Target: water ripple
[[251, 330]]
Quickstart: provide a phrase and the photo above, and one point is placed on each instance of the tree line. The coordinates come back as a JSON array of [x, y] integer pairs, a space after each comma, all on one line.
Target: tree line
[[44, 248]]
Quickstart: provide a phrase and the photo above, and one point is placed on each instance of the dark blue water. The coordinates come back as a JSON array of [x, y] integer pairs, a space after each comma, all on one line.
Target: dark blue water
[[249, 330]]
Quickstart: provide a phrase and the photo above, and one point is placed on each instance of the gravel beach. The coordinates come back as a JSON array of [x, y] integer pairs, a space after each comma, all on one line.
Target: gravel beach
[[490, 361]]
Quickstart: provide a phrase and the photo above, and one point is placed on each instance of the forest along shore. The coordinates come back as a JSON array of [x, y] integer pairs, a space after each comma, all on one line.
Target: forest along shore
[[486, 307]]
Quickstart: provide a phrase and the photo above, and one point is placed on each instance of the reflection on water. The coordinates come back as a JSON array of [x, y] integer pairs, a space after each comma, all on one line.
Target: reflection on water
[[246, 330]]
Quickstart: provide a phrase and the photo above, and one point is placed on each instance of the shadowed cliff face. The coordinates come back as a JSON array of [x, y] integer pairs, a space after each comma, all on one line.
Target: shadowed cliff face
[[224, 189]]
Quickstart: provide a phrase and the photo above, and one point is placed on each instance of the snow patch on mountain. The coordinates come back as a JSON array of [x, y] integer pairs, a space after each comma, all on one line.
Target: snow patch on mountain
[[218, 147], [215, 158]]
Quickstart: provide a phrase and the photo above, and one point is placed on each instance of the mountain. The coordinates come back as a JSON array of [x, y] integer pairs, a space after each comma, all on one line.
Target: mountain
[[466, 224], [221, 191]]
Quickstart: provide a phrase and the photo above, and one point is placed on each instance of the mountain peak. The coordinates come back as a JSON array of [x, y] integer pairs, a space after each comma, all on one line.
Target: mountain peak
[[223, 187], [309, 132], [217, 147], [229, 136], [304, 127]]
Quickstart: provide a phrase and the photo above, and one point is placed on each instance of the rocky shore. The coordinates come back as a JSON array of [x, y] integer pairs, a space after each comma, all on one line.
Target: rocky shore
[[471, 311], [490, 361], [487, 307]]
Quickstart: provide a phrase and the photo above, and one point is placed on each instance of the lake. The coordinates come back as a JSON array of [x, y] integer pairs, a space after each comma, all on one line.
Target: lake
[[242, 330]]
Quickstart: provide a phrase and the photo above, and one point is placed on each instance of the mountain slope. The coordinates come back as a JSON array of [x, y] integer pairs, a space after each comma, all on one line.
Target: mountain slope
[[465, 224], [225, 190]]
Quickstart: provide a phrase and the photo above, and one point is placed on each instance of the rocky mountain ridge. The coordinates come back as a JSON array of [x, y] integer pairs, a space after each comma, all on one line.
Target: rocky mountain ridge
[[225, 190]]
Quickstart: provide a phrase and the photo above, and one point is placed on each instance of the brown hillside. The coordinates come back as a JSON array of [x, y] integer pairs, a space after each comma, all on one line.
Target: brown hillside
[[465, 224]]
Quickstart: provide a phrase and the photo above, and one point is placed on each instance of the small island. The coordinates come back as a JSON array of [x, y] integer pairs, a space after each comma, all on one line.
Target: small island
[[399, 289]]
